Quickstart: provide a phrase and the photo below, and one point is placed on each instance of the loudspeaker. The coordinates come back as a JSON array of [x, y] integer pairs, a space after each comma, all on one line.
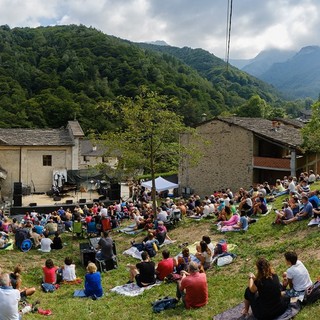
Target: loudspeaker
[[86, 256], [17, 188], [17, 200], [32, 204], [69, 201], [115, 191], [82, 200], [56, 198]]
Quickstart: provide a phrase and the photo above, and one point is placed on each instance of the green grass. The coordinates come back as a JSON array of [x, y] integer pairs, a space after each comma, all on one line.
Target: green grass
[[226, 284]]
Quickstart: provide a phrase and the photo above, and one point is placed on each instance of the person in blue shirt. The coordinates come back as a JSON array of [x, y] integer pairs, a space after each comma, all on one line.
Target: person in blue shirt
[[305, 213], [314, 200], [92, 284]]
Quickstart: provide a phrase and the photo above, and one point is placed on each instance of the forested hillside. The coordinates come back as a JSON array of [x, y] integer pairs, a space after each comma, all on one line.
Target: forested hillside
[[234, 85], [49, 75]]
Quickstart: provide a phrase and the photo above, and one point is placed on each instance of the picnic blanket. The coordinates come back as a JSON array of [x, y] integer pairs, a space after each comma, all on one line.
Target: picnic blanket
[[313, 223], [132, 289], [133, 252], [235, 313], [167, 242], [130, 229]]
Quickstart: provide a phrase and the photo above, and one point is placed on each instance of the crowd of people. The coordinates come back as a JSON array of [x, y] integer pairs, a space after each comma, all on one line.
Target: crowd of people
[[230, 211]]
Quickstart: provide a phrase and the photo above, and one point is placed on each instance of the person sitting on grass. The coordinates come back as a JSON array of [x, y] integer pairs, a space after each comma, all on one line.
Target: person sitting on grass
[[9, 299], [183, 261], [204, 254], [242, 224], [57, 242], [297, 276], [259, 206], [165, 266], [16, 282], [193, 287], [68, 270], [143, 272], [263, 293], [92, 284], [305, 213], [49, 272], [284, 214], [45, 243]]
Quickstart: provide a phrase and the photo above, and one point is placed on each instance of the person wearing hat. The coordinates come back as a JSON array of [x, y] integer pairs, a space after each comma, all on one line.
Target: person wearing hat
[[193, 287], [284, 214]]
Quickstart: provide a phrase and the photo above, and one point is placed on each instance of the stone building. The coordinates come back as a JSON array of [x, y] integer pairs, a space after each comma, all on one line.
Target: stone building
[[34, 156], [240, 152]]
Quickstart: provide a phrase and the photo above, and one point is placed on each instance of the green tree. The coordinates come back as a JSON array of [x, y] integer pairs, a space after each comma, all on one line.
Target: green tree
[[255, 107], [149, 136], [311, 131]]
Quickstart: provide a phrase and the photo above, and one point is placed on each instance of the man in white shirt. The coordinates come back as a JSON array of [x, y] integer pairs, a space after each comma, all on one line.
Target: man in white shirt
[[162, 215], [9, 299], [297, 276], [45, 243]]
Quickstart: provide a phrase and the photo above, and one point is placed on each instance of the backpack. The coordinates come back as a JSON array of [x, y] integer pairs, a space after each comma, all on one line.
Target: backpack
[[312, 294], [221, 247], [163, 304]]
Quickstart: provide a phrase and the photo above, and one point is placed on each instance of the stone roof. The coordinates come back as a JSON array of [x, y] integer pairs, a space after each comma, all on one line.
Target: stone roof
[[75, 128], [292, 122], [35, 137], [283, 134], [87, 148]]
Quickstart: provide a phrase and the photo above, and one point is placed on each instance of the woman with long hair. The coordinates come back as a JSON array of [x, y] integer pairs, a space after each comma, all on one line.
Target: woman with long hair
[[263, 293]]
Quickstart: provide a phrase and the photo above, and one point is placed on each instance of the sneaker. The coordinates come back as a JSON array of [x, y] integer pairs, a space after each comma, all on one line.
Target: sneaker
[[129, 282]]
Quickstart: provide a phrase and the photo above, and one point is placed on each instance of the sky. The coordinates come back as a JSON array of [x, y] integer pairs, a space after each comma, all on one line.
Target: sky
[[256, 24]]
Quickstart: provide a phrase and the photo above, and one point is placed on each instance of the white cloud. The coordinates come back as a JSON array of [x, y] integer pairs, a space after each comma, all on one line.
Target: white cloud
[[256, 25]]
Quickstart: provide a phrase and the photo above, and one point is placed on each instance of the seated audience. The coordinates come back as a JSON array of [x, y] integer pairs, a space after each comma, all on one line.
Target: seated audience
[[193, 287], [305, 213], [68, 270], [16, 282], [297, 276], [57, 242], [284, 214], [9, 299], [263, 293], [143, 272], [183, 261], [45, 243], [92, 284], [204, 254], [165, 266]]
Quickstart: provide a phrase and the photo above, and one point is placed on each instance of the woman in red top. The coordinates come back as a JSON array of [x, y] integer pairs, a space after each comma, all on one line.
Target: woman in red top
[[49, 272]]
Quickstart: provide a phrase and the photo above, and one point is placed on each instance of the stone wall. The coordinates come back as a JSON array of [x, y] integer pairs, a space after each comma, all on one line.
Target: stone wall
[[27, 163], [226, 159]]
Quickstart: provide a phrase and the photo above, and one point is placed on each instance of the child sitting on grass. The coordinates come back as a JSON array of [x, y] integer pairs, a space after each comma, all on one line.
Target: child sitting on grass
[[68, 272], [49, 276]]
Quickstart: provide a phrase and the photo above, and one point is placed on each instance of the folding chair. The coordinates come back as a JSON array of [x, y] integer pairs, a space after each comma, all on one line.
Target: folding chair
[[92, 230], [77, 228]]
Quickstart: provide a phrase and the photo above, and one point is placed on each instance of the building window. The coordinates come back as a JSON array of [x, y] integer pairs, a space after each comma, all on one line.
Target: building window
[[86, 159], [47, 160]]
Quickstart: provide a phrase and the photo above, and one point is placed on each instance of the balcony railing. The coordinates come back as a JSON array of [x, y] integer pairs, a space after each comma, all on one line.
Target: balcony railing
[[276, 163]]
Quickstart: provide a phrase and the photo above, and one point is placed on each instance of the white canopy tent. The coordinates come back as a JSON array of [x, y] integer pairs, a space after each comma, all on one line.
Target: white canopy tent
[[161, 184]]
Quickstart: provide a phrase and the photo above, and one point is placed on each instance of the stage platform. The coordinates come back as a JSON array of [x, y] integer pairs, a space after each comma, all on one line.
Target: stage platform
[[44, 204]]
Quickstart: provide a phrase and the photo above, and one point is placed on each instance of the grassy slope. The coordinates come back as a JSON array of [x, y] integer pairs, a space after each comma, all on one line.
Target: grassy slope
[[226, 284]]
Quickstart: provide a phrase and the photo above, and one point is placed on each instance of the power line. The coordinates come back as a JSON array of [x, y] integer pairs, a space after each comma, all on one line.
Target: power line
[[228, 31]]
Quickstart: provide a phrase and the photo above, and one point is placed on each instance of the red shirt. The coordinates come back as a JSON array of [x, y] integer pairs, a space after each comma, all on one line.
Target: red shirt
[[165, 267], [49, 275], [196, 288]]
